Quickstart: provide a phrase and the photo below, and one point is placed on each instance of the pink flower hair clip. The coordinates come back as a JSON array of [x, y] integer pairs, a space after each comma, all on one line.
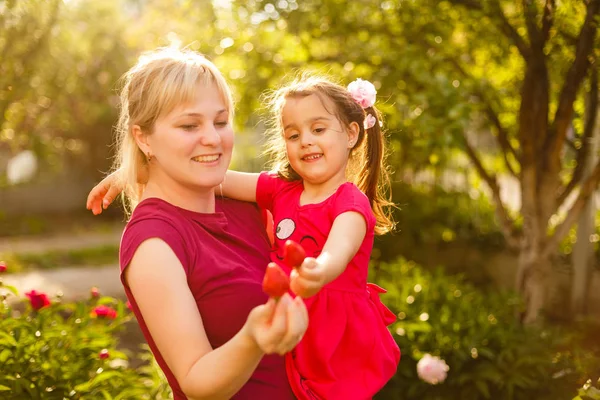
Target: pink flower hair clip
[[369, 121], [364, 93]]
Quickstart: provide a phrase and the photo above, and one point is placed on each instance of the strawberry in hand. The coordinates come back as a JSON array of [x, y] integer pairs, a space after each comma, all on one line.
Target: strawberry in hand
[[275, 283], [293, 254]]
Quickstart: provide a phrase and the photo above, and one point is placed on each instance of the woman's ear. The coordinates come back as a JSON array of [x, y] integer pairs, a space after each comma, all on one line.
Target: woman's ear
[[141, 139], [353, 132]]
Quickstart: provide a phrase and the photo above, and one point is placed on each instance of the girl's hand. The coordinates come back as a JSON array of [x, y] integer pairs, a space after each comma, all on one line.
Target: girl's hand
[[103, 194], [308, 279], [277, 327]]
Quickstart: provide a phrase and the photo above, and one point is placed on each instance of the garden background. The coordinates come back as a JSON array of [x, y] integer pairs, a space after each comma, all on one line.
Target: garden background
[[491, 110]]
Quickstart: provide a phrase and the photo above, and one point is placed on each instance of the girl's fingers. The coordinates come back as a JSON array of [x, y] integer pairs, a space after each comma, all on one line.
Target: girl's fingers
[[110, 196], [97, 192]]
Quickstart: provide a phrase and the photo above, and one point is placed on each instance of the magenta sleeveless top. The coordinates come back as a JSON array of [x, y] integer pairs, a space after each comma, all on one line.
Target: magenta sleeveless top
[[224, 256]]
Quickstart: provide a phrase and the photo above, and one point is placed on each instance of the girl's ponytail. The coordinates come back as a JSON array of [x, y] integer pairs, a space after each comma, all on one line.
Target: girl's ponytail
[[373, 174]]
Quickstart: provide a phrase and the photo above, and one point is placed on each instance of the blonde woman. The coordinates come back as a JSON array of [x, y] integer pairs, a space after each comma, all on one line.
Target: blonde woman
[[191, 262]]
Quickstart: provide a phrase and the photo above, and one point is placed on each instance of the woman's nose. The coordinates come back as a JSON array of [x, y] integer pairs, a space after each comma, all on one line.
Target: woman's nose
[[210, 136]]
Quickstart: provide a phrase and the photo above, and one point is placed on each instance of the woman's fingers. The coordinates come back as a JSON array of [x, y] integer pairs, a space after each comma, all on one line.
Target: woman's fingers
[[297, 322], [275, 327]]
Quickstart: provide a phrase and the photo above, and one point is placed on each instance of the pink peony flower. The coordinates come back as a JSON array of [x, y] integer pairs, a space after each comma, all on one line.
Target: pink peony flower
[[432, 369], [103, 354], [38, 300], [94, 292], [363, 92], [104, 312], [2, 266]]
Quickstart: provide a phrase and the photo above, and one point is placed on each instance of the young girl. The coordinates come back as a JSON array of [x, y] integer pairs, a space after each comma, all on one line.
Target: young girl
[[328, 195]]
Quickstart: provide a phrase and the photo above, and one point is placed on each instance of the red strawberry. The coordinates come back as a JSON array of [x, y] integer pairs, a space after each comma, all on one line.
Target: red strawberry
[[276, 283], [293, 254]]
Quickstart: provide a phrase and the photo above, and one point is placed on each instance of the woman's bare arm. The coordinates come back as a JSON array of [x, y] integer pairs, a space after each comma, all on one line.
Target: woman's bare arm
[[158, 283]]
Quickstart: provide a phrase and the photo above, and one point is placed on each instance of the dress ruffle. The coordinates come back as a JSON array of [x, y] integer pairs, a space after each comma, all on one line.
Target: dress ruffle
[[347, 351]]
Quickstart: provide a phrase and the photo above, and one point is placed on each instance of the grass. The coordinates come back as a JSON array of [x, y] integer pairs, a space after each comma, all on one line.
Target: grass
[[92, 256]]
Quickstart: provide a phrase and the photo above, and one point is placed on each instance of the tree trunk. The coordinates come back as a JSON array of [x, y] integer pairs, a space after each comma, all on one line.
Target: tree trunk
[[533, 275], [583, 250]]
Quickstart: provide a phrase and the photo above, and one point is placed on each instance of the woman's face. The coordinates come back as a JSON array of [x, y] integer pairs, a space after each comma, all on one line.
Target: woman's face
[[192, 144]]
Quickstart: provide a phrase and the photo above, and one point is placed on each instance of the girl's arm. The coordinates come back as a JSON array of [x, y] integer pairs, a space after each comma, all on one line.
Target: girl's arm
[[344, 240], [237, 185], [103, 194], [240, 185], [158, 283]]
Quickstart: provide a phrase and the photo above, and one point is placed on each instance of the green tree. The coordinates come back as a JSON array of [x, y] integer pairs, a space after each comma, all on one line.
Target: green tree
[[25, 32], [451, 70]]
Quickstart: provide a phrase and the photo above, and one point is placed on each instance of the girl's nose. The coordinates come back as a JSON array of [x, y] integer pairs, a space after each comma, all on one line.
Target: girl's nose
[[306, 139]]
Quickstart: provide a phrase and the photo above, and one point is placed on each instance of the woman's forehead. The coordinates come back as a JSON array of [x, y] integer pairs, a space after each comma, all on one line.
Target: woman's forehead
[[204, 100]]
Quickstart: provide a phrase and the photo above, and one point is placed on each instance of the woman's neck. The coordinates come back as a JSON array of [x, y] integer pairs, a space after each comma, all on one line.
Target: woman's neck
[[189, 198]]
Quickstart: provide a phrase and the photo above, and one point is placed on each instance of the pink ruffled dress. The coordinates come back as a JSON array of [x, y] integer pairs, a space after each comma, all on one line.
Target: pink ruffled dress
[[347, 351]]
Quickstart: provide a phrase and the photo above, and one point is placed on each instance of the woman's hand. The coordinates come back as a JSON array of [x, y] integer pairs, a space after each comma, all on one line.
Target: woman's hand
[[308, 279], [103, 194], [277, 326]]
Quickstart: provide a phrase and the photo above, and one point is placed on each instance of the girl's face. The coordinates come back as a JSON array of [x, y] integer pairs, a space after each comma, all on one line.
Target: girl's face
[[317, 143], [192, 144]]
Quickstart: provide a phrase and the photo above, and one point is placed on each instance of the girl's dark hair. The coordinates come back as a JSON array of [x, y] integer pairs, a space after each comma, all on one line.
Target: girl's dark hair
[[367, 164]]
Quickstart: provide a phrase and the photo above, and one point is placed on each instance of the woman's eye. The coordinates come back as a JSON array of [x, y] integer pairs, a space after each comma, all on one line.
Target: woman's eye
[[188, 127], [222, 124]]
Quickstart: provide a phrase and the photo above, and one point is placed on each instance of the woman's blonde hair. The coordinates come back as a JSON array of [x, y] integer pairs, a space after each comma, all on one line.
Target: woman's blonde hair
[[160, 81]]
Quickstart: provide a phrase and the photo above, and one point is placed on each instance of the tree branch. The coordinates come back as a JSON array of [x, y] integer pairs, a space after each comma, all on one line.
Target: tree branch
[[502, 22], [548, 19], [573, 80], [530, 11], [502, 137], [587, 189], [584, 150], [506, 223]]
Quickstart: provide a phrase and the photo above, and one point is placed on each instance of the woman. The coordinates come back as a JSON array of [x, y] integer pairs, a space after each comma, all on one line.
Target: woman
[[192, 264]]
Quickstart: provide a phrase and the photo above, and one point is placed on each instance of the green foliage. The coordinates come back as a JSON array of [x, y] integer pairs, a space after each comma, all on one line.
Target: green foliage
[[90, 256], [64, 351], [429, 217], [489, 354], [589, 391]]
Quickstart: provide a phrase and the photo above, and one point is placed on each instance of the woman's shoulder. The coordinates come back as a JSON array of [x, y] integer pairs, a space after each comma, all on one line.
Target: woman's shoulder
[[152, 208]]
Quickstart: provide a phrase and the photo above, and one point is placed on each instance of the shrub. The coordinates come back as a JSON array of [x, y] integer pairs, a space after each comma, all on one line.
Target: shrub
[[69, 351], [588, 391], [489, 354]]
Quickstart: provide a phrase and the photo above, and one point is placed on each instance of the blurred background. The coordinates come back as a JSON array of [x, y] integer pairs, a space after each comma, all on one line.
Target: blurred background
[[491, 111]]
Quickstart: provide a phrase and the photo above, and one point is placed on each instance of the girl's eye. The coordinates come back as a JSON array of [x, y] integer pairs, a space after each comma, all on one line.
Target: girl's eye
[[293, 136], [222, 124], [320, 130], [188, 127]]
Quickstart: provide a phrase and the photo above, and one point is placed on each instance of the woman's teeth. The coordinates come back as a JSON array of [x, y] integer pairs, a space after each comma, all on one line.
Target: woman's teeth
[[206, 159]]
